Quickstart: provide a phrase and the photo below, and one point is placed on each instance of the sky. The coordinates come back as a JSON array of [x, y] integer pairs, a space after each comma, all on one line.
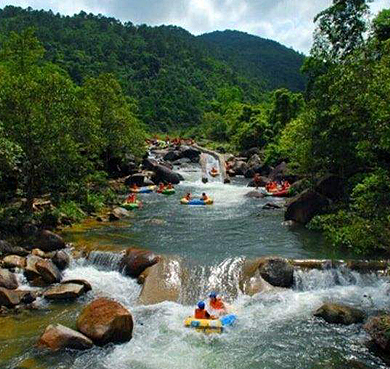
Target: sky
[[289, 22]]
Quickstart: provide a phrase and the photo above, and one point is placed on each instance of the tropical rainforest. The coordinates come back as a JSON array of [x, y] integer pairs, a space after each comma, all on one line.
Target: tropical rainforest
[[77, 92]]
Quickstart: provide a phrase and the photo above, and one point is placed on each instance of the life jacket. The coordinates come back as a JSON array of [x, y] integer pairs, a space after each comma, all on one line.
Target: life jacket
[[217, 304], [201, 314]]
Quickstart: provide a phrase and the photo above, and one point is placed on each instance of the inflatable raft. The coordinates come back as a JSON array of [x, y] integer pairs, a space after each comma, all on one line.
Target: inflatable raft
[[277, 193], [214, 174], [148, 189], [168, 191], [184, 201], [131, 205], [209, 326]]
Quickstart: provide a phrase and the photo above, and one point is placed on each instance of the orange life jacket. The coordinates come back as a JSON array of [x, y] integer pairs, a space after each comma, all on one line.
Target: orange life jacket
[[217, 304], [201, 314]]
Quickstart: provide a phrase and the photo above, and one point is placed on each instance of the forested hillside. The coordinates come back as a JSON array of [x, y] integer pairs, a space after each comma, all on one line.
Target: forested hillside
[[259, 59], [172, 74]]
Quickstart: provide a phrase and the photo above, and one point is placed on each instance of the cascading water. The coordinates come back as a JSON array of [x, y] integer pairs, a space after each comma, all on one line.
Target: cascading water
[[273, 330]]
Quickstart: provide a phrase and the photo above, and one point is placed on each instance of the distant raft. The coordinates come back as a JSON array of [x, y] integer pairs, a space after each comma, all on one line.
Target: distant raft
[[210, 326], [131, 205], [147, 189], [184, 201], [277, 193], [168, 191], [214, 173]]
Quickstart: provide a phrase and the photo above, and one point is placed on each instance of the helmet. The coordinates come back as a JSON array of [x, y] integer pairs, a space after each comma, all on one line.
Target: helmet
[[201, 305], [213, 295]]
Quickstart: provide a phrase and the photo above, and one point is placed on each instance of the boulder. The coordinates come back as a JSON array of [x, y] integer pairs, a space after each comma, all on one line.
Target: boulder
[[137, 179], [27, 297], [57, 337], [172, 156], [279, 172], [181, 161], [303, 207], [14, 261], [148, 164], [8, 280], [8, 249], [339, 314], [330, 186], [254, 161], [9, 298], [30, 271], [135, 261], [254, 195], [271, 206], [61, 259], [163, 282], [42, 254], [49, 241], [189, 153], [239, 167], [276, 271], [261, 183], [83, 282], [378, 327], [48, 271], [67, 291], [166, 175], [105, 321], [119, 213]]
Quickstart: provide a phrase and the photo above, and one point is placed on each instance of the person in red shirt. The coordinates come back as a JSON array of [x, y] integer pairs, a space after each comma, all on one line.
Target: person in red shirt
[[201, 312], [216, 303], [132, 198]]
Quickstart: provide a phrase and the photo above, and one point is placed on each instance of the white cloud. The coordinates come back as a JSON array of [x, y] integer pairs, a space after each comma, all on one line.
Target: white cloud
[[289, 22]]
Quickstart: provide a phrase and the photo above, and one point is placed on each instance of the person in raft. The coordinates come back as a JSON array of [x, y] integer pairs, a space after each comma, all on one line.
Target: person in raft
[[188, 197], [170, 187], [257, 180], [201, 312], [161, 187], [216, 304], [134, 186], [204, 197], [132, 198], [214, 170]]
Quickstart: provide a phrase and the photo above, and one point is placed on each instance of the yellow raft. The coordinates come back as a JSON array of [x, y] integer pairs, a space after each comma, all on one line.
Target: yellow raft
[[207, 326]]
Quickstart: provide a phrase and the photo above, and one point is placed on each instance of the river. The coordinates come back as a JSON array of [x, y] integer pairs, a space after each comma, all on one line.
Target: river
[[272, 331]]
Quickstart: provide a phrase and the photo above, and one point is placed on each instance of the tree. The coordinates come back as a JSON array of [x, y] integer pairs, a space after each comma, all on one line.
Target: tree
[[340, 30], [41, 116]]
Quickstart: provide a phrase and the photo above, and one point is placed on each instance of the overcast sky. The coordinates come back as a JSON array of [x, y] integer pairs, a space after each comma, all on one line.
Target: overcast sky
[[289, 22]]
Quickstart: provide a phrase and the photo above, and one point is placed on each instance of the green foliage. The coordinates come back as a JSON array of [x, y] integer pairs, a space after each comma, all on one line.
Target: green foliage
[[172, 74], [381, 25], [340, 30]]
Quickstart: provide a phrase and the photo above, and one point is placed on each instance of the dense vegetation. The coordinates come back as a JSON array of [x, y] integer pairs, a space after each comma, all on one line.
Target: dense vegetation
[[57, 137], [172, 74]]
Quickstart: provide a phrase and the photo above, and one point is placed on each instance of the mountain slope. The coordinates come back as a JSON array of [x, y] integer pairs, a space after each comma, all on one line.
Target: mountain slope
[[256, 57], [172, 74]]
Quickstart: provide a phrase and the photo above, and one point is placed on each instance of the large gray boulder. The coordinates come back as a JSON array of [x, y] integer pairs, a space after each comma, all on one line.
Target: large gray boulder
[[339, 314], [106, 321], [172, 156], [49, 241], [254, 195], [303, 207], [276, 271], [378, 327], [61, 259], [166, 175], [138, 179], [8, 280], [135, 261], [57, 337], [239, 167]]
